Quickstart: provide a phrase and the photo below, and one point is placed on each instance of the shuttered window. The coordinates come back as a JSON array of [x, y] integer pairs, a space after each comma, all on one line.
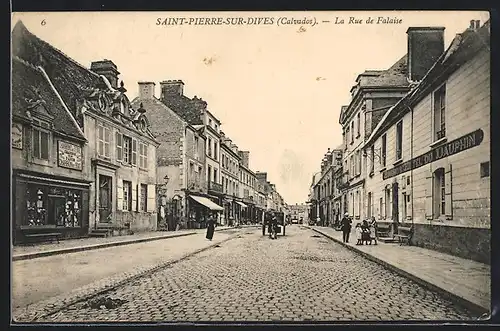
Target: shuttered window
[[103, 141]]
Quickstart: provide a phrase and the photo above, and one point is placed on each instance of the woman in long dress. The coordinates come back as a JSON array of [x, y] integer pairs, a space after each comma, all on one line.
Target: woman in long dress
[[210, 227]]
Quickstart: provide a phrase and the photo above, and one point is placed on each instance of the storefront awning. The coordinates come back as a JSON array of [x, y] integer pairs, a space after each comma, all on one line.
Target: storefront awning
[[56, 181], [207, 203], [241, 204]]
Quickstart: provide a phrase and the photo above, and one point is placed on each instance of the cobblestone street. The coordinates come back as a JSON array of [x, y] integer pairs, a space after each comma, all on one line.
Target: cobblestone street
[[299, 277]]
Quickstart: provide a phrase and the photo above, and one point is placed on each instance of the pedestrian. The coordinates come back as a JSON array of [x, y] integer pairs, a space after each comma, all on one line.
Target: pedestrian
[[373, 229], [346, 227], [210, 227], [365, 233], [359, 234]]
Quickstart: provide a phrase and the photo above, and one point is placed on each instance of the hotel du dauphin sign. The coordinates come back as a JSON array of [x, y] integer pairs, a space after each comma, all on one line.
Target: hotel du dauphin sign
[[455, 146]]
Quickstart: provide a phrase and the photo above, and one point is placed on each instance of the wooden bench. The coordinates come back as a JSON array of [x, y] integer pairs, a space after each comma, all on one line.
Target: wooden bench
[[43, 236], [383, 230], [404, 235]]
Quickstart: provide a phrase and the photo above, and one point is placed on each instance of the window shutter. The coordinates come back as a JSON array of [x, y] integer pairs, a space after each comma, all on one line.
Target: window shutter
[[145, 156], [382, 212], [107, 139], [448, 183], [119, 194], [134, 196], [119, 146], [428, 196], [403, 182], [151, 202], [134, 151]]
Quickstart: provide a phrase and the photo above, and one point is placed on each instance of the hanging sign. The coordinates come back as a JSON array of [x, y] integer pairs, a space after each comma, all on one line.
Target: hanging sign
[[455, 146]]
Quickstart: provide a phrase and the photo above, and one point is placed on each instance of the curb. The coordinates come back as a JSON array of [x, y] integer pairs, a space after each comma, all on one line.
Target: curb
[[30, 256], [108, 288], [449, 295]]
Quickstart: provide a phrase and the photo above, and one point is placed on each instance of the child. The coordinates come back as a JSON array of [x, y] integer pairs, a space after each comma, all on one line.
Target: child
[[359, 232]]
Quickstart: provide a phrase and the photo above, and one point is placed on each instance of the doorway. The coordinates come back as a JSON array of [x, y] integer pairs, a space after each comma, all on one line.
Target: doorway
[[395, 203], [105, 200]]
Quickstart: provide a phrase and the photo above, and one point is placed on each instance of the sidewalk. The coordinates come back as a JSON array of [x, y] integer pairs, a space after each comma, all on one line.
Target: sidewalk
[[83, 244], [464, 280]]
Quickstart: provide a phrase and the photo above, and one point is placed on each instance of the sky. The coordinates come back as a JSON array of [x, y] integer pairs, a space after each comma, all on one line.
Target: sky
[[277, 88]]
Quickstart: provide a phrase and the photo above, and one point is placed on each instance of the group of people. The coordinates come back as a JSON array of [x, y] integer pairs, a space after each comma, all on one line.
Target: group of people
[[365, 232]]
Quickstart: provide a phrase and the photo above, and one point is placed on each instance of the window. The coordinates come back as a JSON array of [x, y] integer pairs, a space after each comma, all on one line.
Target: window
[[143, 198], [127, 150], [209, 122], [369, 212], [359, 124], [387, 203], [209, 175], [485, 169], [359, 162], [40, 144], [196, 147], [383, 159], [372, 156], [399, 140], [103, 141], [127, 196], [405, 205], [352, 132], [440, 113], [215, 175], [439, 193], [381, 206], [215, 150], [351, 166], [143, 155], [209, 147]]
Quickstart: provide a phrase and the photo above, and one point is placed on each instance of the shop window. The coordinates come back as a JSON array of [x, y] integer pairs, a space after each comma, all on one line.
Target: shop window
[[383, 159], [52, 206], [439, 192], [143, 198], [440, 113], [103, 141], [127, 196], [40, 144], [399, 140], [143, 156], [485, 169]]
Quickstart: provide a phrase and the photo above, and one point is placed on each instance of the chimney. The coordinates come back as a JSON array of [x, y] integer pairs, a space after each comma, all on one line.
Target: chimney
[[475, 24], [261, 176], [245, 158], [171, 87], [108, 69], [425, 46], [146, 90]]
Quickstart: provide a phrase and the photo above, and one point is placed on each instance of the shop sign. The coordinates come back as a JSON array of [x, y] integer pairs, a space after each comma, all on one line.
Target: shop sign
[[17, 136], [69, 155], [458, 145]]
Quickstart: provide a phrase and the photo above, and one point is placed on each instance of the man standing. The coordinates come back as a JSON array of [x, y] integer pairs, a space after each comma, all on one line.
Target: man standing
[[346, 227]]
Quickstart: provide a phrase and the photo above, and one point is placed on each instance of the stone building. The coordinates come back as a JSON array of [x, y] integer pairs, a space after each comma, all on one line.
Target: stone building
[[180, 158], [201, 202], [119, 156], [248, 181], [372, 96], [431, 150]]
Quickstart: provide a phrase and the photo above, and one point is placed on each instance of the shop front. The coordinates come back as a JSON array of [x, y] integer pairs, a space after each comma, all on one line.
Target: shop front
[[44, 204], [200, 208]]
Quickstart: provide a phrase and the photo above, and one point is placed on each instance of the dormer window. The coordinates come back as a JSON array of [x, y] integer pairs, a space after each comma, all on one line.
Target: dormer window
[[41, 140]]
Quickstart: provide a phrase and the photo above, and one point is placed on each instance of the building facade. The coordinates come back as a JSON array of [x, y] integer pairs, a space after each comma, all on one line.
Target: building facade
[[120, 150], [432, 152], [230, 165], [180, 158]]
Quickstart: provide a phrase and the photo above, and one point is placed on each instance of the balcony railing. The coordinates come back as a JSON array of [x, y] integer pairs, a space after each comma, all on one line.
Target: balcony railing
[[215, 187]]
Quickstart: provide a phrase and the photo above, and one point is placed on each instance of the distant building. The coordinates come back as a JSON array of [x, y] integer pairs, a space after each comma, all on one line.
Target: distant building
[[230, 167]]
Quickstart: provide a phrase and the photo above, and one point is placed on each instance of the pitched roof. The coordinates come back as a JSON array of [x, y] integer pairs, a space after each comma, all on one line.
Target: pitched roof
[[66, 74], [461, 49], [29, 86], [395, 76], [184, 107]]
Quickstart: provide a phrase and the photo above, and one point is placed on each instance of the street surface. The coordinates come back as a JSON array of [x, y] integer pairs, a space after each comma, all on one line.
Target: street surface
[[300, 277]]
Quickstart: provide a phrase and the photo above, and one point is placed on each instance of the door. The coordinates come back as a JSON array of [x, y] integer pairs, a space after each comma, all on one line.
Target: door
[[395, 204], [105, 201]]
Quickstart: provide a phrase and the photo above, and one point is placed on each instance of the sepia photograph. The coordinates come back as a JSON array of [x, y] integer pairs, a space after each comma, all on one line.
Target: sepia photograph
[[208, 167]]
